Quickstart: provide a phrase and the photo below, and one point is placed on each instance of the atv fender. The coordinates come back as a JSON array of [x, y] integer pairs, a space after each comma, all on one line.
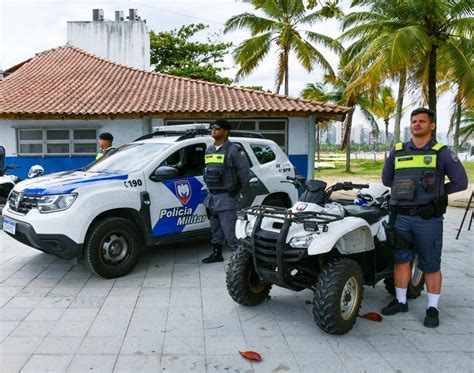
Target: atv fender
[[240, 228], [349, 236]]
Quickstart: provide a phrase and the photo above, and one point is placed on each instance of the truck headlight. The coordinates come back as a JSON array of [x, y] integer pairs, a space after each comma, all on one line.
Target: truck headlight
[[55, 203], [302, 242]]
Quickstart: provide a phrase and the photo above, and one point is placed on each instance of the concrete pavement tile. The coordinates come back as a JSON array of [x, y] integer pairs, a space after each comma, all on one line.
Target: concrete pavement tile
[[365, 362], [10, 290], [228, 363], [188, 313], [430, 344], [349, 343], [13, 363], [120, 301], [87, 302], [24, 302], [409, 362], [152, 345], [6, 327], [276, 363], [100, 346], [138, 363], [59, 345], [465, 342], [224, 345], [44, 282], [45, 314], [261, 325], [186, 281], [33, 328], [14, 314], [157, 282], [223, 326], [47, 363], [67, 328], [80, 314], [52, 273], [55, 302], [185, 297], [19, 345], [460, 313], [449, 325], [300, 327], [186, 328], [183, 363], [152, 301], [308, 344], [34, 291], [110, 328], [451, 362], [19, 281], [269, 344], [124, 291], [392, 343], [97, 363], [183, 345], [95, 291], [320, 363]]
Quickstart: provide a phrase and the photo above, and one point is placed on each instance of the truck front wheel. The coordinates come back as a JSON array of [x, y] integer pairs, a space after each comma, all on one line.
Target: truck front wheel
[[112, 247]]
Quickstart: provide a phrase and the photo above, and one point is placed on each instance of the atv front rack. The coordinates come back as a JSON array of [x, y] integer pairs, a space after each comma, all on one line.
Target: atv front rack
[[273, 258]]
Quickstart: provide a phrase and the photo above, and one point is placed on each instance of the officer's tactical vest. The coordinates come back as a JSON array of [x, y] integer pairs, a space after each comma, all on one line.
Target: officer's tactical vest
[[416, 181], [102, 152], [218, 176]]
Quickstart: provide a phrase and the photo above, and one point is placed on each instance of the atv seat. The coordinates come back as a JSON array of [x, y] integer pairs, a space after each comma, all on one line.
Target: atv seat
[[369, 213]]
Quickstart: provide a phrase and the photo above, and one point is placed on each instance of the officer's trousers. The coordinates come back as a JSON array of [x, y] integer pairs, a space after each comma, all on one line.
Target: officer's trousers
[[223, 228]]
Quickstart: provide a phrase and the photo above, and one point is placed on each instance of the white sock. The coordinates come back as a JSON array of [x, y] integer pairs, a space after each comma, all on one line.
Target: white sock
[[433, 300], [401, 295]]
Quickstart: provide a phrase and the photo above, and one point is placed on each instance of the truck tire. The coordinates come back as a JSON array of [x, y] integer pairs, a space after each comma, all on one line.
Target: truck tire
[[416, 284], [112, 247], [338, 296], [243, 283]]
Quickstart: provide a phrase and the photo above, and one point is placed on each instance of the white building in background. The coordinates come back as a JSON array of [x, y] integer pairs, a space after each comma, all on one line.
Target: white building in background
[[123, 41]]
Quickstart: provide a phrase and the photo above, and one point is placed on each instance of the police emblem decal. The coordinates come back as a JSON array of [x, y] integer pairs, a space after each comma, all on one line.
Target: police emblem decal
[[301, 206], [183, 191], [427, 160]]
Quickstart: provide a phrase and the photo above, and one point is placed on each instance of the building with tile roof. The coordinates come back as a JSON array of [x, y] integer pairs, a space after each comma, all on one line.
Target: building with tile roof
[[54, 105]]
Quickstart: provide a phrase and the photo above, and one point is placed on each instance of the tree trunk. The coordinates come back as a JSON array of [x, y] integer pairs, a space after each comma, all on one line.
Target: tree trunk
[[287, 74], [401, 95], [432, 84], [347, 139], [318, 140], [386, 139], [457, 123]]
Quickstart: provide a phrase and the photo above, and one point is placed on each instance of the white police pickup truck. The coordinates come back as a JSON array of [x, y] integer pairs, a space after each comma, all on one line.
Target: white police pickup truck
[[146, 191]]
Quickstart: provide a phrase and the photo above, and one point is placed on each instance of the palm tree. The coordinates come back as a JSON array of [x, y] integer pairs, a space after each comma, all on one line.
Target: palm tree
[[383, 106], [412, 36], [279, 27]]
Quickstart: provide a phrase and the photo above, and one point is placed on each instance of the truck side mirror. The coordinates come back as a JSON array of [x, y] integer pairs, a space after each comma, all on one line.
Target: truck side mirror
[[164, 173]]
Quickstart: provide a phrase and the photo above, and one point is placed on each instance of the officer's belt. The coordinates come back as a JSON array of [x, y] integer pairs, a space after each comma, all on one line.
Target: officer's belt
[[218, 191], [412, 211]]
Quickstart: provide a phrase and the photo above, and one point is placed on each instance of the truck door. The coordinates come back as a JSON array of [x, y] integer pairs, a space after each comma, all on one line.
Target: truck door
[[177, 200]]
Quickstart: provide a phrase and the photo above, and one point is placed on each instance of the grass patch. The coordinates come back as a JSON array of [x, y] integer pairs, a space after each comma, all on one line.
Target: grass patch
[[372, 168]]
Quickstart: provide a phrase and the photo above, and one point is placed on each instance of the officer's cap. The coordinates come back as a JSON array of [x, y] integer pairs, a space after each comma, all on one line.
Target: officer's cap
[[221, 123], [106, 136]]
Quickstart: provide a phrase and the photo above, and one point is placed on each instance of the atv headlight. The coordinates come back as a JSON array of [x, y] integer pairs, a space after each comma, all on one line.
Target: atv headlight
[[55, 202], [302, 242], [248, 229]]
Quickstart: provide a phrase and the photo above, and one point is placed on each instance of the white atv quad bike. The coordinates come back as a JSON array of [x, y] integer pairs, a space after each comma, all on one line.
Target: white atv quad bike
[[8, 181], [332, 248]]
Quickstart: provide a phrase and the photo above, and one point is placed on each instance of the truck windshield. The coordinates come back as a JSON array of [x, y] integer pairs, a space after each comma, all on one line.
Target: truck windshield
[[128, 158]]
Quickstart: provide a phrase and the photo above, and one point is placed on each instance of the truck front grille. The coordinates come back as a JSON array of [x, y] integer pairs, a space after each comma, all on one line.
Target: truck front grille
[[21, 203]]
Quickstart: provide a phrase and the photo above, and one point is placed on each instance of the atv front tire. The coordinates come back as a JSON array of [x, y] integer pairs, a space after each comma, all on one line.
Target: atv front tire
[[338, 296], [112, 247], [416, 284], [243, 283]]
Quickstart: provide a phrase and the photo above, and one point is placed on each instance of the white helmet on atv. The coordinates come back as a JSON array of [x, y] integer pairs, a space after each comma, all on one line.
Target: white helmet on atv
[[35, 171], [375, 195]]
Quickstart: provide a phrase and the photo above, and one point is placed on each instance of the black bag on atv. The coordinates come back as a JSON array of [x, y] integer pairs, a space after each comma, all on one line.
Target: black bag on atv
[[314, 192]]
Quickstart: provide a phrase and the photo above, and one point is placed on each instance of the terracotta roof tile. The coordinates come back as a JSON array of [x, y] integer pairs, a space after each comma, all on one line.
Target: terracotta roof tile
[[67, 81]]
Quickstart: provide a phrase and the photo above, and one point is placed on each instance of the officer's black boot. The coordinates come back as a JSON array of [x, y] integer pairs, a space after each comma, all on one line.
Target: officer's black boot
[[216, 255]]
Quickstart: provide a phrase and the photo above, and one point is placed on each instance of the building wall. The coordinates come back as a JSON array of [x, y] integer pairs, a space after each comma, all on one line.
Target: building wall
[[123, 131], [125, 42]]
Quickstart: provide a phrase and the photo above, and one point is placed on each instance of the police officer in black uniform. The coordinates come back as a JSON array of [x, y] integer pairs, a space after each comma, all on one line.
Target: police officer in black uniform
[[226, 172], [416, 172], [105, 145]]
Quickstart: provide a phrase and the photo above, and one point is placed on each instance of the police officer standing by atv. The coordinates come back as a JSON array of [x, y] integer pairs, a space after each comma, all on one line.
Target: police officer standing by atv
[[416, 172], [105, 145], [226, 172]]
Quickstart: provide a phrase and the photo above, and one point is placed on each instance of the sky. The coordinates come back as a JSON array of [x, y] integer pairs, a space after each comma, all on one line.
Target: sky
[[29, 27]]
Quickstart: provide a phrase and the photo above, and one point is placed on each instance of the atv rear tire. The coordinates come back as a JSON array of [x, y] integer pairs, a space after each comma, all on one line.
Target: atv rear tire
[[243, 283], [112, 247], [415, 286], [338, 296]]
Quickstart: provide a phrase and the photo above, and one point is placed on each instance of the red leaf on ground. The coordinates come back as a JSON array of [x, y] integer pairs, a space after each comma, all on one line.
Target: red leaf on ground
[[374, 316], [307, 302], [251, 355]]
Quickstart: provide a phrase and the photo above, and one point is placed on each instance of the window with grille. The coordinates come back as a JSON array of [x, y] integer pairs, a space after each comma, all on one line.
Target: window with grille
[[57, 141]]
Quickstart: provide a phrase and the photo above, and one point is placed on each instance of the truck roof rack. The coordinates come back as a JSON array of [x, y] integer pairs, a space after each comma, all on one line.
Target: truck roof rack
[[189, 131]]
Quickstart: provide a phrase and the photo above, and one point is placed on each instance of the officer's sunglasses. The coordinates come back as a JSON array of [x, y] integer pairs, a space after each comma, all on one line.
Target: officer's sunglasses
[[217, 128]]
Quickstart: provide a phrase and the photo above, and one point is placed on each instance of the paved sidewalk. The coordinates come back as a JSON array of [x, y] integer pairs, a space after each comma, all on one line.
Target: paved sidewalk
[[173, 314]]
